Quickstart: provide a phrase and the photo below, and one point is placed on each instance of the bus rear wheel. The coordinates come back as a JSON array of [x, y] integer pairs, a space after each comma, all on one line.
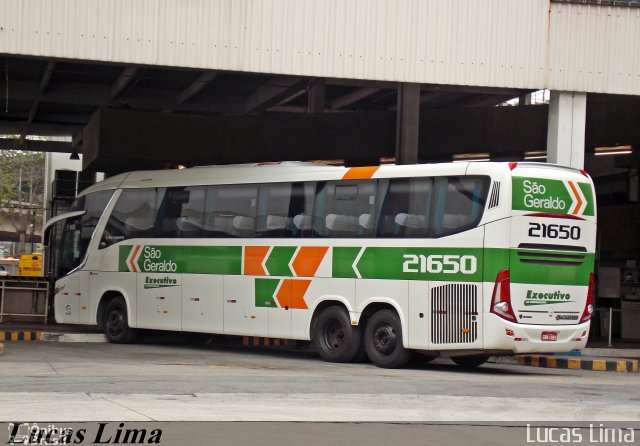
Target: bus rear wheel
[[116, 325], [383, 340], [335, 339], [470, 361]]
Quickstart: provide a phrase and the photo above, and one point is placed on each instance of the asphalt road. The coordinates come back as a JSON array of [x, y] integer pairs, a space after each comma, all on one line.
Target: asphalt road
[[169, 382]]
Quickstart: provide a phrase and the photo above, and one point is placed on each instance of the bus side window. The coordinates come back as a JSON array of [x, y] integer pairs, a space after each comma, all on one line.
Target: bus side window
[[301, 209], [406, 208], [177, 201], [459, 203], [230, 210], [273, 210], [345, 209], [134, 215], [190, 221]]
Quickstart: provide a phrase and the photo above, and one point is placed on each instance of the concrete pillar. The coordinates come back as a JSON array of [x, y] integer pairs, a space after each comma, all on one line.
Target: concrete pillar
[[566, 130], [407, 123]]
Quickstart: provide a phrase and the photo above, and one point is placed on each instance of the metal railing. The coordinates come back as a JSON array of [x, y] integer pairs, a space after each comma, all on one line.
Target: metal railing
[[609, 311]]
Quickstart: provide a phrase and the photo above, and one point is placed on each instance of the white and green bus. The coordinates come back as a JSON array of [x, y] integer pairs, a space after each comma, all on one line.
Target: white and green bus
[[463, 260]]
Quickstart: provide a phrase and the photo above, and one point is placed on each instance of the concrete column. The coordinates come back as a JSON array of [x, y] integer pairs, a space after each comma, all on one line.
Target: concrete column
[[407, 123], [566, 130]]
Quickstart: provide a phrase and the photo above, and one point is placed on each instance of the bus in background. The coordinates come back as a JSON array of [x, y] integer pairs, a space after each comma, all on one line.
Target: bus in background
[[462, 260]]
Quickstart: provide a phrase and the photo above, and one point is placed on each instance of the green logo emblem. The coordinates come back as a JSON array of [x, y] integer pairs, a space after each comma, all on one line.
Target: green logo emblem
[[159, 282], [534, 298]]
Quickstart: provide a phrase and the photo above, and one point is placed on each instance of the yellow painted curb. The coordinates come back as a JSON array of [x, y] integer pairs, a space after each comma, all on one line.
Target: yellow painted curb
[[598, 365], [20, 335]]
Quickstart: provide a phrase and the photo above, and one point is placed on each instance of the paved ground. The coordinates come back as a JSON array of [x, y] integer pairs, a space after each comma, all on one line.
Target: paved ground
[[233, 396], [168, 382]]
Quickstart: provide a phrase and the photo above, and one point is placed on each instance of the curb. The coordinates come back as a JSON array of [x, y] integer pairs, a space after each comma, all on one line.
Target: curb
[[20, 335], [73, 337], [255, 341], [599, 365]]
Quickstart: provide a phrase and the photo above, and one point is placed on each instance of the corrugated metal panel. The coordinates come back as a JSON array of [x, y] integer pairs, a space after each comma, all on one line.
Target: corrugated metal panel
[[499, 43], [430, 41], [595, 48]]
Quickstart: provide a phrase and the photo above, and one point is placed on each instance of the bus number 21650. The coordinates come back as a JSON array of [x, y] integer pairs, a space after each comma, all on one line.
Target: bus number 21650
[[438, 263], [562, 232]]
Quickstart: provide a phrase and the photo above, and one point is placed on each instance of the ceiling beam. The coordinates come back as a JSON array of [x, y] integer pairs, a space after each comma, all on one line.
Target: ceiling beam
[[44, 83], [353, 97], [125, 79], [39, 128], [97, 95], [197, 86], [35, 145], [273, 92]]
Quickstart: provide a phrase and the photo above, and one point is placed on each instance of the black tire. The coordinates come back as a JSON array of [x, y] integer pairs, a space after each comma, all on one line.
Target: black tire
[[470, 361], [116, 323], [334, 338], [383, 340]]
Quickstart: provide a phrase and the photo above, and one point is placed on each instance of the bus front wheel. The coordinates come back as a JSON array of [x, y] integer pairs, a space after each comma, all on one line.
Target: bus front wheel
[[383, 340], [116, 325], [335, 339]]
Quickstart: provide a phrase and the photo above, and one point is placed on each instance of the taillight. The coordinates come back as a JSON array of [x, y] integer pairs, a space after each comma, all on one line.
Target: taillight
[[501, 301], [588, 307]]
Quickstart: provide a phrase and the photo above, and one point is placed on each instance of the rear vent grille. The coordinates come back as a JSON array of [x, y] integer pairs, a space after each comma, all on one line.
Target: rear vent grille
[[541, 254], [454, 314], [494, 201]]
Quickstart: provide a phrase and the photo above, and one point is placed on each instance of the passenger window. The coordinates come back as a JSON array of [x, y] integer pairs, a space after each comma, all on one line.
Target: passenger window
[[230, 211], [191, 218], [180, 213], [284, 210], [345, 209], [459, 203], [406, 207], [134, 216]]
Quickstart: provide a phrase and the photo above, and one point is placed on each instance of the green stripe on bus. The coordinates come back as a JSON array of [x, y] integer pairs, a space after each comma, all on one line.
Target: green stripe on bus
[[264, 292], [546, 195], [396, 263], [278, 262], [343, 259], [587, 191], [550, 270], [184, 259]]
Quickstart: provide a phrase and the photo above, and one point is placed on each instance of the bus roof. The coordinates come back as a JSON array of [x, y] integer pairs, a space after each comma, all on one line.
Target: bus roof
[[292, 171]]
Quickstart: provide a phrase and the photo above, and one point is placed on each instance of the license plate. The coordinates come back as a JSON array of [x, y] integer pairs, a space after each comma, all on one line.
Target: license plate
[[549, 336]]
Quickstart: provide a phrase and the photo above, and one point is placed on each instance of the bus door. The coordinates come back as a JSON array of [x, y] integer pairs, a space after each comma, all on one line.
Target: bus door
[[71, 298]]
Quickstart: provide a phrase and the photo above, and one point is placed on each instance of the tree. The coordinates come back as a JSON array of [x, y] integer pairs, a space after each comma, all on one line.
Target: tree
[[22, 192]]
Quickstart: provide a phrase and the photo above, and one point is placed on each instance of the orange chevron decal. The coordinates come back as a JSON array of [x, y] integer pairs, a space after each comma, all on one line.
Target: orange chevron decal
[[360, 173], [298, 290], [308, 260], [133, 258], [253, 258], [576, 194], [291, 293], [284, 294]]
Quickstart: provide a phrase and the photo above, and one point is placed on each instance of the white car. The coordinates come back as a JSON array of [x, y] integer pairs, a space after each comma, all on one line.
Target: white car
[[3, 271]]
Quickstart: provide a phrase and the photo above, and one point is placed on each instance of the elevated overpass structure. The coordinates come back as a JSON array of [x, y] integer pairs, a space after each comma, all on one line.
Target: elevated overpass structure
[[156, 83]]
